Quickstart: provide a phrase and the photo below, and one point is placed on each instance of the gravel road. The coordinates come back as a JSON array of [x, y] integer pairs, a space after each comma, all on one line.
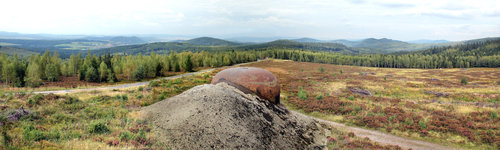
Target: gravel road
[[384, 138]]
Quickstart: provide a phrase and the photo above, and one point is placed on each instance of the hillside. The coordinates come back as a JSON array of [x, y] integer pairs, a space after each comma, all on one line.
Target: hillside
[[124, 40], [13, 50], [209, 41], [384, 45], [381, 43], [479, 47], [308, 40], [162, 47], [423, 41]]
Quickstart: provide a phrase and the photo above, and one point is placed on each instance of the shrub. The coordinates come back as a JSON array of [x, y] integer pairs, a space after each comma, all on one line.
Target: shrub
[[422, 124], [351, 97], [464, 81], [357, 108], [302, 93], [140, 88], [493, 115], [206, 76], [341, 71], [140, 96], [319, 96], [125, 136], [98, 128], [124, 97], [154, 84], [321, 69], [30, 133], [71, 100]]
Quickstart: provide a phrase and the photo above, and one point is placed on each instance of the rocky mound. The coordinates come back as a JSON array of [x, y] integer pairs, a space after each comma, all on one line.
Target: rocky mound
[[222, 117]]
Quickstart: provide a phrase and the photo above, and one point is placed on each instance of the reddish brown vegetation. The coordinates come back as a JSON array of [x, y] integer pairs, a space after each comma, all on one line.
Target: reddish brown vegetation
[[388, 113]]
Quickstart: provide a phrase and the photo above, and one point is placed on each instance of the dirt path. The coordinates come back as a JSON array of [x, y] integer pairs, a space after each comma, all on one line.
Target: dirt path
[[384, 138], [121, 86]]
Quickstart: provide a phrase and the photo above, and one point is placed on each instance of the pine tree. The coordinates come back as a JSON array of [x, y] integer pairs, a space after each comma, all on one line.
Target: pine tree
[[33, 78], [103, 72], [188, 64], [138, 74], [91, 75], [51, 72], [177, 67]]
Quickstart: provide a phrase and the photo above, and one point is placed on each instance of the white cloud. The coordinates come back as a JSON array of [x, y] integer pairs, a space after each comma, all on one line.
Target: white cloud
[[327, 19]]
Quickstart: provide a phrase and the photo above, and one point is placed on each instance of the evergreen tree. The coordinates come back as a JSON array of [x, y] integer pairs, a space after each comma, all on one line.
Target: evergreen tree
[[51, 72], [138, 74], [91, 75], [33, 78], [188, 64], [103, 72]]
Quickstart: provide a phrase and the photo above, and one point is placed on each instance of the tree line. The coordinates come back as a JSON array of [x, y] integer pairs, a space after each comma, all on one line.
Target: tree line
[[32, 71]]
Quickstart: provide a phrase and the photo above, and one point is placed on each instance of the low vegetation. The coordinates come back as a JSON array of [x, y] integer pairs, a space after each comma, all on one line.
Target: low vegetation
[[431, 104], [97, 119]]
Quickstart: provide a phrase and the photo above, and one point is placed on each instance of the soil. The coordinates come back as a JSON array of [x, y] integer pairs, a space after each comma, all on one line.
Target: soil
[[222, 117]]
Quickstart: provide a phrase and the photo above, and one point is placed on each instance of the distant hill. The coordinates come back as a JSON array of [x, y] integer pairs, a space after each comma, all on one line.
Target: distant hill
[[381, 43], [477, 47], [333, 47], [13, 50], [165, 47], [209, 41], [309, 40], [346, 42], [127, 40], [423, 41]]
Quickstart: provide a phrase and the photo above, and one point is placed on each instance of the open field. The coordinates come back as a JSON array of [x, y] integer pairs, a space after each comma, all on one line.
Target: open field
[[108, 119], [430, 105], [426, 104], [104, 119]]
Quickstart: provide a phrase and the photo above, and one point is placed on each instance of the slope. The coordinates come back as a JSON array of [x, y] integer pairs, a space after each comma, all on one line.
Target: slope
[[19, 51], [209, 41]]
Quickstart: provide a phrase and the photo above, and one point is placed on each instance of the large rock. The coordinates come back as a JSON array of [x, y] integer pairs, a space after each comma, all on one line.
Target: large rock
[[222, 117], [251, 80]]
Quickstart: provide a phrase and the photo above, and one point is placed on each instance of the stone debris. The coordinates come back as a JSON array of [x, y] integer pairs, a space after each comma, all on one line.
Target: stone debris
[[359, 91], [223, 117]]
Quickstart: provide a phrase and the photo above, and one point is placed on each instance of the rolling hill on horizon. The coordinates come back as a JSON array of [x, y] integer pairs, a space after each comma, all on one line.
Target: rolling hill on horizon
[[366, 46], [210, 41], [14, 50]]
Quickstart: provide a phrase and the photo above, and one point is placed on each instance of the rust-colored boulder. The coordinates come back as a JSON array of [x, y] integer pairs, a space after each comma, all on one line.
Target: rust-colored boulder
[[249, 79]]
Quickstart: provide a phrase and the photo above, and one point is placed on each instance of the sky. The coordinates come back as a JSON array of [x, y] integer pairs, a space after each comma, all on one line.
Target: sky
[[322, 19]]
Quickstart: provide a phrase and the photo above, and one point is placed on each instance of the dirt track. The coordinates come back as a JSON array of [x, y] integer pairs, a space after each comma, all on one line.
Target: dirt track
[[121, 86], [383, 138]]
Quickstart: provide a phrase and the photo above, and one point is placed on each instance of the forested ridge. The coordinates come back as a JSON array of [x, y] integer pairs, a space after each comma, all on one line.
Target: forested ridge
[[33, 70]]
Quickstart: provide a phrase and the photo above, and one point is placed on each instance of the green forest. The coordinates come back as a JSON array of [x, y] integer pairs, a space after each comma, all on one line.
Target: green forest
[[31, 71]]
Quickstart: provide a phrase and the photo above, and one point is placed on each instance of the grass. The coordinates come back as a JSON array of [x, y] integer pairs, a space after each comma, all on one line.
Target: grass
[[107, 119], [400, 103]]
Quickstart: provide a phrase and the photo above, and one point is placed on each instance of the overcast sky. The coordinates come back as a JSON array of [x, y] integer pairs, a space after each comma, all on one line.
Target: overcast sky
[[322, 19]]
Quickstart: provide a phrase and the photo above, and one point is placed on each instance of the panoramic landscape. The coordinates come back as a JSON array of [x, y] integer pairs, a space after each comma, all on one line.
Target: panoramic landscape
[[224, 74]]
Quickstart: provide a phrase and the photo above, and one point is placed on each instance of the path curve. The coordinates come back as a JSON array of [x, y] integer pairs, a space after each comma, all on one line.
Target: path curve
[[383, 138], [121, 86]]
